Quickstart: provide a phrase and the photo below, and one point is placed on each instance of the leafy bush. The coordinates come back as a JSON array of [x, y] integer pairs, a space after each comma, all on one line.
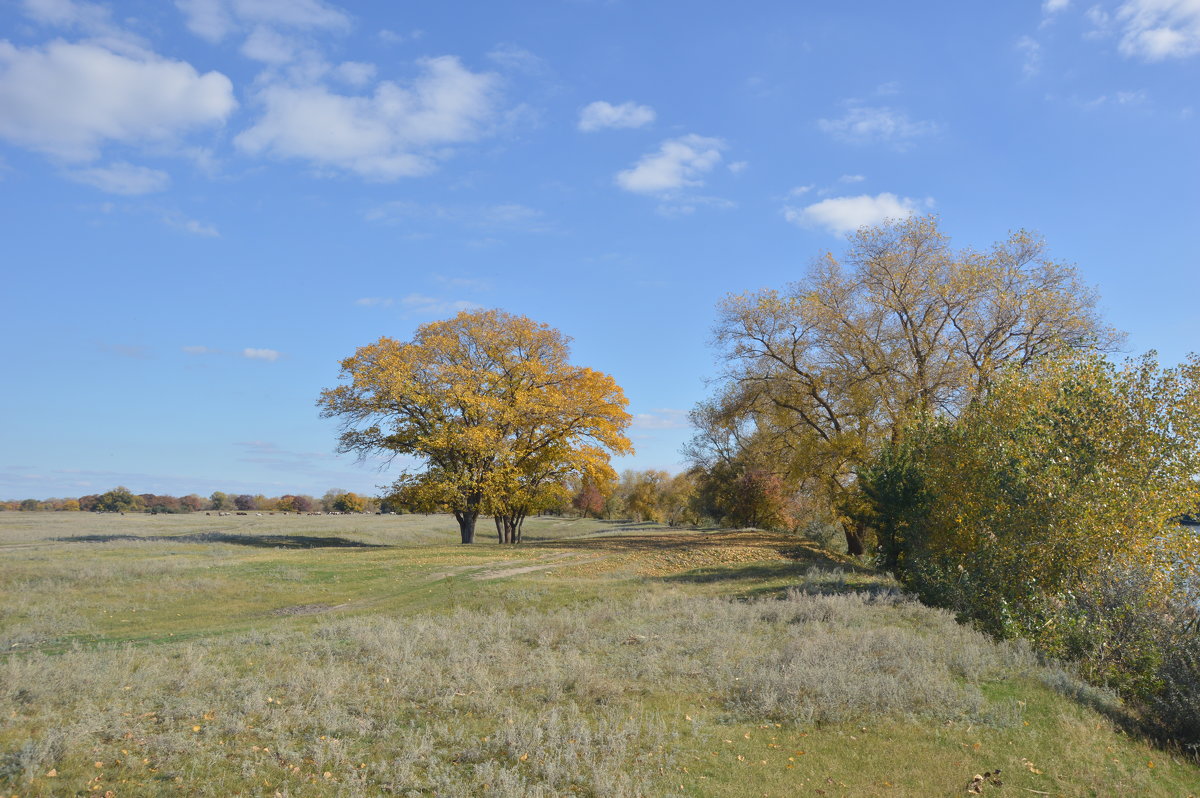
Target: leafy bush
[[1048, 511]]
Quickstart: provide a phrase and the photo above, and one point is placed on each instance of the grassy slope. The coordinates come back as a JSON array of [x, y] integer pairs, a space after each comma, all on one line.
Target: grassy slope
[[364, 655]]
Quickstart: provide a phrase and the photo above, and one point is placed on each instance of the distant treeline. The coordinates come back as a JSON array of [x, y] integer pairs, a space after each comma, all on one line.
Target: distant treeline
[[121, 499]]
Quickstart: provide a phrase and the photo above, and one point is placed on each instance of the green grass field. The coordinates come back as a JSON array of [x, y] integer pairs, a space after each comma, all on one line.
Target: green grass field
[[373, 655]]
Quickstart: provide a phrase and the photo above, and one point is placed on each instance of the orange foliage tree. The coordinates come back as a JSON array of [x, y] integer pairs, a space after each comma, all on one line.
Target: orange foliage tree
[[497, 419]]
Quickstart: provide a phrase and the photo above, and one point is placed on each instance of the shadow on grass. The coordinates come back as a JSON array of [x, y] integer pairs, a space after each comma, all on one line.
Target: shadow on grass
[[818, 576], [259, 541], [608, 526]]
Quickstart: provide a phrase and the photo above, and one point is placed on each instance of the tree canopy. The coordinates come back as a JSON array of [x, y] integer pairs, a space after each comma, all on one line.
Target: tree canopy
[[487, 403], [820, 374]]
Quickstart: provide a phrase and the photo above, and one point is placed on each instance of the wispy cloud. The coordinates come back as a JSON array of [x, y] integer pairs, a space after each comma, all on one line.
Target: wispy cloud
[[393, 37], [510, 216], [423, 305], [1031, 54], [215, 19], [192, 226], [465, 283], [375, 302], [269, 355], [865, 124], [122, 178], [660, 418]]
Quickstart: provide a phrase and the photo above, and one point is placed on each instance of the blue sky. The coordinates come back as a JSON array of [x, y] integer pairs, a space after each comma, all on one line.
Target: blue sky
[[206, 204]]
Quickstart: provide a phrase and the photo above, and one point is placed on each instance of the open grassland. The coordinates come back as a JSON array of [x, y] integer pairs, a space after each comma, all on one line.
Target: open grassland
[[373, 655]]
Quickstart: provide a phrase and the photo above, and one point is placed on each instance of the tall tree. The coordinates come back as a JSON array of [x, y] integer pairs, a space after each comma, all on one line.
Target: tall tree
[[487, 404], [826, 370]]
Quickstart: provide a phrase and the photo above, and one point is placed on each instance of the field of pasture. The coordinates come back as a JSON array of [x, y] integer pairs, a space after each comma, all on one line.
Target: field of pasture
[[281, 655]]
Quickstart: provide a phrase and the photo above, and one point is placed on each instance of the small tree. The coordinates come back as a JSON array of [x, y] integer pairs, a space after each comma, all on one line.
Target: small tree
[[349, 503], [244, 502], [588, 501], [117, 500]]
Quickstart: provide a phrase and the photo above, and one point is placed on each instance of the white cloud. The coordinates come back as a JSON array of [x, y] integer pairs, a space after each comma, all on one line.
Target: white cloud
[[876, 124], [600, 115], [396, 132], [200, 350], [269, 355], [841, 215], [679, 163], [68, 100], [215, 19], [422, 305], [1155, 30], [123, 178], [800, 190], [1055, 6], [851, 179], [375, 302], [737, 167]]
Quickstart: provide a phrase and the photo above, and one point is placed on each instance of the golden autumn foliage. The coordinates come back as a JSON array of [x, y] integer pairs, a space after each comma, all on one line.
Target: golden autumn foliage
[[1069, 476], [488, 404], [822, 373]]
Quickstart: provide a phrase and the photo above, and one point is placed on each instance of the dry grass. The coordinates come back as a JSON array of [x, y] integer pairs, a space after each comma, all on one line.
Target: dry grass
[[647, 664]]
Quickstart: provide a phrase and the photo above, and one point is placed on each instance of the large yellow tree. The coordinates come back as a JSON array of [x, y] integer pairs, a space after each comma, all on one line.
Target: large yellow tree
[[491, 409], [822, 373]]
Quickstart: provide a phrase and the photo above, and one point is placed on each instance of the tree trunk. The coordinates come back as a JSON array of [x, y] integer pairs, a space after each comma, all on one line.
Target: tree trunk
[[854, 538], [466, 524], [499, 529]]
